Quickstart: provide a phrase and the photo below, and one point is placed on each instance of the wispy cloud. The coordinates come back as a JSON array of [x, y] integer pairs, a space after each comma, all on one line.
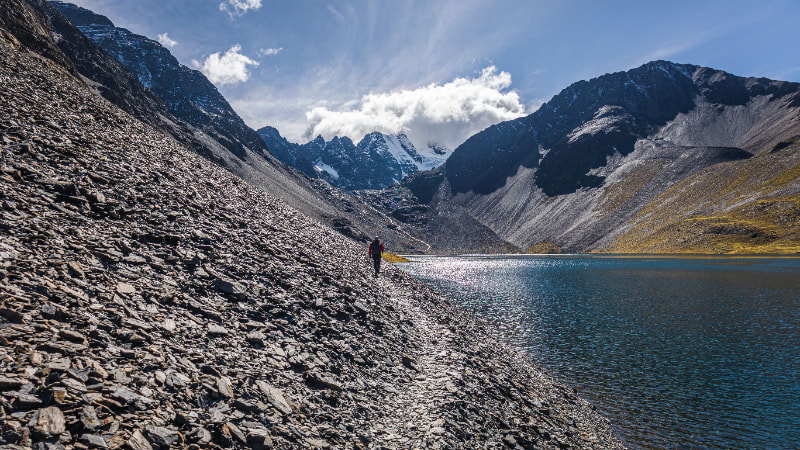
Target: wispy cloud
[[166, 41], [373, 55], [228, 68], [269, 51], [336, 14], [239, 7], [444, 114]]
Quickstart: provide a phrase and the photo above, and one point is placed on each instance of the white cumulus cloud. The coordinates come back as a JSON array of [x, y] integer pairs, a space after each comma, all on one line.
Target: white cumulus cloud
[[239, 7], [269, 51], [445, 114], [229, 68], [166, 41]]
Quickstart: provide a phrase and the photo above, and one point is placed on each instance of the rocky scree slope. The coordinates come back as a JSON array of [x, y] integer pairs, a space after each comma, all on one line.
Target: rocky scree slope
[[150, 299], [202, 118], [576, 173], [40, 27], [377, 161]]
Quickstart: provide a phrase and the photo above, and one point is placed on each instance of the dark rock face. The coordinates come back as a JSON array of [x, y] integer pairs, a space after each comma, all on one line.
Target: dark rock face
[[424, 184], [150, 299], [288, 152], [22, 21], [107, 75], [589, 121], [377, 161], [187, 93]]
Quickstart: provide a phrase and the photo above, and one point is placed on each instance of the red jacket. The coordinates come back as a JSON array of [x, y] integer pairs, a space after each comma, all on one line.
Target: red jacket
[[372, 245]]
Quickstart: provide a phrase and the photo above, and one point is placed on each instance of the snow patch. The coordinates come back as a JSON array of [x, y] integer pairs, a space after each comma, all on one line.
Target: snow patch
[[322, 167]]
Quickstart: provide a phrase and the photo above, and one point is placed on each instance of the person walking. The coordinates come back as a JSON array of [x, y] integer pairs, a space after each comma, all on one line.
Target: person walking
[[375, 250]]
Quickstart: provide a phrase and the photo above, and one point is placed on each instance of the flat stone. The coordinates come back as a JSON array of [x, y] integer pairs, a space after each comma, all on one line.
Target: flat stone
[[161, 436], [64, 348], [73, 336], [93, 440], [125, 289], [76, 268], [8, 383], [138, 442], [201, 436], [318, 380], [126, 395], [224, 387], [60, 364], [28, 401], [230, 287], [216, 330], [236, 432], [138, 324], [275, 397], [259, 439], [73, 385], [88, 417], [168, 325], [48, 311], [256, 337], [50, 421]]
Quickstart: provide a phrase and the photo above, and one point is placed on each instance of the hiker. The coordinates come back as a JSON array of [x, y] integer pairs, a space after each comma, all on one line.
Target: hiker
[[375, 250]]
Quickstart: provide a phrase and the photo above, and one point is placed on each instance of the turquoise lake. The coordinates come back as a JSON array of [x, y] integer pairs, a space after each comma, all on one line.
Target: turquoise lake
[[676, 352]]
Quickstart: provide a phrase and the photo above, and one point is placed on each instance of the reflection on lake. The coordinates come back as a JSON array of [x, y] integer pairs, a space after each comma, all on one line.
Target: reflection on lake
[[677, 352]]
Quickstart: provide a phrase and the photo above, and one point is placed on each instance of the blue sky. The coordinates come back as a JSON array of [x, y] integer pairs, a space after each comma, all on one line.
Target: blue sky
[[443, 69]]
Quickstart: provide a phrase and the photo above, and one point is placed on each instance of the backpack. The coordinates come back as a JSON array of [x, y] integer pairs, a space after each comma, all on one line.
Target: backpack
[[375, 249]]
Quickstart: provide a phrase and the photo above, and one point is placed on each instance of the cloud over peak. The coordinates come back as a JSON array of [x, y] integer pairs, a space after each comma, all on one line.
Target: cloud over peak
[[239, 7], [228, 68], [445, 114], [166, 41]]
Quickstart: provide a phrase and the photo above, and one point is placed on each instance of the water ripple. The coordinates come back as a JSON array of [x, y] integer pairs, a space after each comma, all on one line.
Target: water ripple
[[679, 353]]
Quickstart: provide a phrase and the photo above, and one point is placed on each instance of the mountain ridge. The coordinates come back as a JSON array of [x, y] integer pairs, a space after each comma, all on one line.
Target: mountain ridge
[[375, 162], [576, 174], [187, 94]]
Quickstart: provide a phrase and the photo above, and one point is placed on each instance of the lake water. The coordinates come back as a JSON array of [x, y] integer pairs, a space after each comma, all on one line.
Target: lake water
[[677, 352]]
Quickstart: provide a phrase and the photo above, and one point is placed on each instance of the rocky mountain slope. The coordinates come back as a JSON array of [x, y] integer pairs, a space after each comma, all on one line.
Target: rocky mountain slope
[[202, 118], [662, 158], [377, 161], [151, 299]]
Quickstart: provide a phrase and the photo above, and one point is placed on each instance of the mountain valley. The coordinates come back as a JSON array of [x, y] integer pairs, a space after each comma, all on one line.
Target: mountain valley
[[149, 298]]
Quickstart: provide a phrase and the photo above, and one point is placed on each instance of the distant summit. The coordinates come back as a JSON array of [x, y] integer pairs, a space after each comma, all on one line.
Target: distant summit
[[376, 162], [575, 132]]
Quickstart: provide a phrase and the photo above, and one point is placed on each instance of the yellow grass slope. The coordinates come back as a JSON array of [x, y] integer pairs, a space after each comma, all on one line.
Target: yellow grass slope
[[740, 207], [393, 258]]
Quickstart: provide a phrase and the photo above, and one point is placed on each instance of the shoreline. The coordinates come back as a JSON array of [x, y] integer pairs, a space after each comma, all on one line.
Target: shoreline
[[615, 255]]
